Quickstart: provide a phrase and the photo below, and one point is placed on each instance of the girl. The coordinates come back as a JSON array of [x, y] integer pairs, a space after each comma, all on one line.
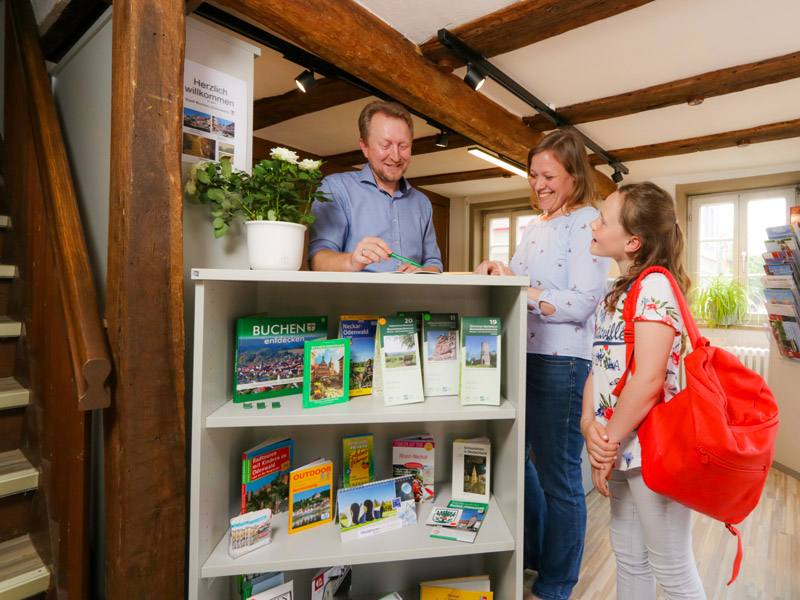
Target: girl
[[651, 535]]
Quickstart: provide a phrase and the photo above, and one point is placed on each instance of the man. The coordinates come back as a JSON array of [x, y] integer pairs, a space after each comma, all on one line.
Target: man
[[375, 212]]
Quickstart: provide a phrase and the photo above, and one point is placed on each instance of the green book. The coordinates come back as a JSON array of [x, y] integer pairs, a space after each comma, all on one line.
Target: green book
[[479, 380], [326, 372], [358, 464], [269, 355]]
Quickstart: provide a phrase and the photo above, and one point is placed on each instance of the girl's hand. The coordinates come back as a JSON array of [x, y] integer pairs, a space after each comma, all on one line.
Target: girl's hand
[[602, 453], [600, 481], [493, 267]]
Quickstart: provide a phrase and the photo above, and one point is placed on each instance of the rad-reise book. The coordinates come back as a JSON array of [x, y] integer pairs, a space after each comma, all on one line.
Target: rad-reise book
[[480, 361], [415, 456], [440, 354], [399, 356], [472, 469], [357, 459], [360, 330], [310, 495], [265, 475], [377, 507], [269, 355], [326, 372]]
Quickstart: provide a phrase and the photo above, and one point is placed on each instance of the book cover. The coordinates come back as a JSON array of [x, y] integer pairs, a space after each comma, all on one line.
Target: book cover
[[460, 588], [415, 456], [285, 591], [782, 245], [459, 520], [472, 469], [440, 354], [249, 531], [265, 475], [417, 315], [260, 582], [480, 361], [783, 321], [399, 355], [310, 495], [358, 460], [375, 508], [779, 296], [269, 355], [326, 372], [360, 330]]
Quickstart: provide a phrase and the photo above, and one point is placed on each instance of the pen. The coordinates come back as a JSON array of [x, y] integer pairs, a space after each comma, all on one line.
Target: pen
[[404, 259]]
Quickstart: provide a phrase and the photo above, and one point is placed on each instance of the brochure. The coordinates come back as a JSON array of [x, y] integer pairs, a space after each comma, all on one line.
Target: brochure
[[480, 361], [326, 372], [265, 475], [399, 356], [360, 330], [376, 508], [415, 456], [440, 354], [358, 460], [310, 495], [472, 469], [282, 592], [249, 531]]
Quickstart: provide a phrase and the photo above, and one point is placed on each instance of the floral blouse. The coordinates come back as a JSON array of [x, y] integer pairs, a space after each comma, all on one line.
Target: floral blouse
[[656, 303]]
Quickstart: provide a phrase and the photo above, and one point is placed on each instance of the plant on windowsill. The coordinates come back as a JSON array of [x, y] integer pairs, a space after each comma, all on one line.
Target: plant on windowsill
[[274, 202], [721, 302]]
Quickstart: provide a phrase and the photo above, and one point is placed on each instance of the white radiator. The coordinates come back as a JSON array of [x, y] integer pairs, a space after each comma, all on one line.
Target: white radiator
[[756, 359]]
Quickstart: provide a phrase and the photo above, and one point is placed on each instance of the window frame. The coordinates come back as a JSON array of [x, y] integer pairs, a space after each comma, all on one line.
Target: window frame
[[511, 214]]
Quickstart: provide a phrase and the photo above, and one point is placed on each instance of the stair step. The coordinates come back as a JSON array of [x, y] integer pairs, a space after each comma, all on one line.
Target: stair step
[[12, 394], [9, 327], [5, 221], [7, 271], [22, 572], [16, 474]]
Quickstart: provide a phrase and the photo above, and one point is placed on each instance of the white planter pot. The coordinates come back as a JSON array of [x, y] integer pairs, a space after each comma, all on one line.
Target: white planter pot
[[275, 245]]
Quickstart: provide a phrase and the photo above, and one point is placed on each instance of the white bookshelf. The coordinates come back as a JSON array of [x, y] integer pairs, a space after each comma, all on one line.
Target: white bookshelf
[[222, 430]]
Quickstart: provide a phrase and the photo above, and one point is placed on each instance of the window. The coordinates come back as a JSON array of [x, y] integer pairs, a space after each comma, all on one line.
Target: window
[[502, 232], [727, 233]]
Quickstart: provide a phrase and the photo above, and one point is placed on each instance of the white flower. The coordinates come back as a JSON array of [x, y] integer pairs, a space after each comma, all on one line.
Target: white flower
[[284, 154], [309, 165]]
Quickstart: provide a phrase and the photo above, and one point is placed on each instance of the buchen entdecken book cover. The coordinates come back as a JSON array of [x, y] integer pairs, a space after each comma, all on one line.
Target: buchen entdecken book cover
[[480, 361], [269, 355], [440, 354], [399, 355], [360, 330], [358, 461], [459, 588], [326, 372], [265, 475], [310, 495]]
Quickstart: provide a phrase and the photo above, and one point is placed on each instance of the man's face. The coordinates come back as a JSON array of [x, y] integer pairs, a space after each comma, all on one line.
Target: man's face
[[388, 149]]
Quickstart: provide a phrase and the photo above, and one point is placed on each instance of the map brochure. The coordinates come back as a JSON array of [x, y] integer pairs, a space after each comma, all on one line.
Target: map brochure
[[480, 361], [459, 520], [402, 376], [440, 363]]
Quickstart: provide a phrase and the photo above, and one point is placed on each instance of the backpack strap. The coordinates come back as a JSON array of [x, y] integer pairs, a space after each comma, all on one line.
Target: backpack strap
[[737, 562], [629, 310]]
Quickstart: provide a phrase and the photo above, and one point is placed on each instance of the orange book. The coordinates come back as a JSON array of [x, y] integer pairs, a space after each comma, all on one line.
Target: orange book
[[310, 495]]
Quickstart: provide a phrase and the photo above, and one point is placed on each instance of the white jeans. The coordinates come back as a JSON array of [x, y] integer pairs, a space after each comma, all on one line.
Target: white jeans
[[652, 540]]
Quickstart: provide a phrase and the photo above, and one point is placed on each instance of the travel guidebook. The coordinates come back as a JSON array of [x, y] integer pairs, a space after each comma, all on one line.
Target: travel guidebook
[[310, 495], [265, 475], [360, 330], [480, 361], [415, 456], [358, 461], [440, 354], [249, 531], [326, 372], [459, 520], [269, 354], [399, 356], [460, 588], [377, 507], [472, 469]]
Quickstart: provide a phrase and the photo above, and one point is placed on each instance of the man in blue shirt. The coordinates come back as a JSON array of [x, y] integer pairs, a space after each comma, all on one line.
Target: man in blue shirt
[[375, 212]]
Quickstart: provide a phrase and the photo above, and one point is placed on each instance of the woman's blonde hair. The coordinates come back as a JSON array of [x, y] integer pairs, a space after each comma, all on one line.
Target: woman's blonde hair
[[568, 148]]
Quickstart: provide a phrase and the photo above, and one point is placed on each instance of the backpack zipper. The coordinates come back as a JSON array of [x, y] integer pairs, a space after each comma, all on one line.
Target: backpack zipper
[[706, 456]]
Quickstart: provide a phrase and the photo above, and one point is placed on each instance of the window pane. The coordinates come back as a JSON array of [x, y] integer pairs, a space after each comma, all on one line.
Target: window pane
[[498, 233], [499, 253], [716, 221], [716, 258], [522, 223]]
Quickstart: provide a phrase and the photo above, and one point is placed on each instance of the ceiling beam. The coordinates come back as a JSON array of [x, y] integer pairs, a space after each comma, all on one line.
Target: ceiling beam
[[707, 85], [191, 5], [423, 145], [754, 135], [524, 23], [70, 25], [327, 94], [460, 176]]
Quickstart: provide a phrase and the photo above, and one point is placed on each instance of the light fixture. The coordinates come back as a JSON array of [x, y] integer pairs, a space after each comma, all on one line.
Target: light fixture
[[441, 139], [616, 177], [306, 81], [474, 77], [498, 161]]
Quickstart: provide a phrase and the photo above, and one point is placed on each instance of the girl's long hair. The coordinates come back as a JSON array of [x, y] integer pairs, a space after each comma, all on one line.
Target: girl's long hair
[[648, 212]]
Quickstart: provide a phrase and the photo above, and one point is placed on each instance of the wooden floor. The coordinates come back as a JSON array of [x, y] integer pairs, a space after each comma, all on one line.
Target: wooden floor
[[771, 546]]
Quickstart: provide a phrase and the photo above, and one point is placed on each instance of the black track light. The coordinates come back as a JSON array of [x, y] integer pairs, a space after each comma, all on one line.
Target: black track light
[[306, 81], [617, 176], [441, 139], [474, 78]]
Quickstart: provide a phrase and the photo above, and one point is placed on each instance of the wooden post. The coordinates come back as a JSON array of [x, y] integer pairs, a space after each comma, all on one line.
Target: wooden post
[[145, 440]]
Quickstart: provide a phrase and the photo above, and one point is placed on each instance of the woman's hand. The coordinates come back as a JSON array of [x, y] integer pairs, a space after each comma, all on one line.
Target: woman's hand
[[602, 453], [600, 480], [493, 267]]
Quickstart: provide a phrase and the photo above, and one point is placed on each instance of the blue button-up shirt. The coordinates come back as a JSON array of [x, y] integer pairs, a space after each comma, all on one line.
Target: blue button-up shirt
[[360, 209]]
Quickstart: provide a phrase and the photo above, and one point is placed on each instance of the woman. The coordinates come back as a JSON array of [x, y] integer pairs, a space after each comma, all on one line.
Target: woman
[[566, 285]]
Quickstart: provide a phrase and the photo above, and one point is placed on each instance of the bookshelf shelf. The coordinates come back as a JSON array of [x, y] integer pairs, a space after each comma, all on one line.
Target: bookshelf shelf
[[221, 430]]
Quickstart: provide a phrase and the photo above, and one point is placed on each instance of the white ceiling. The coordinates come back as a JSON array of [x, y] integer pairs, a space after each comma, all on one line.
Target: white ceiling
[[656, 43]]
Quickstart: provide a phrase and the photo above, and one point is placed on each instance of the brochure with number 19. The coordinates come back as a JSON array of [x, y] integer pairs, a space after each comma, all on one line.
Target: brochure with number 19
[[480, 360]]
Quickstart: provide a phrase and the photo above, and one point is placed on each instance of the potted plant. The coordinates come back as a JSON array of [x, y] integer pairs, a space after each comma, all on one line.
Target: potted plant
[[274, 203], [721, 301]]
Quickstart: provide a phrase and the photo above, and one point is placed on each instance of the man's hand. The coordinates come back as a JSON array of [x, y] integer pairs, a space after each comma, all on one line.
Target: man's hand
[[369, 250], [493, 267]]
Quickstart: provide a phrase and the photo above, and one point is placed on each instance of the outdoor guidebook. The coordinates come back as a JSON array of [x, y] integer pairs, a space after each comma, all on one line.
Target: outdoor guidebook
[[310, 495]]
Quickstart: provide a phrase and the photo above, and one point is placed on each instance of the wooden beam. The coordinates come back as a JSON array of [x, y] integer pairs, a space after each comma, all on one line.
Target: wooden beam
[[328, 93], [754, 135], [424, 145], [707, 85], [460, 176], [70, 25], [145, 449], [192, 5], [524, 23]]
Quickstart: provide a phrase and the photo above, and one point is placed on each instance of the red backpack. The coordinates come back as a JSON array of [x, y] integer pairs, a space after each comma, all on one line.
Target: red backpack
[[710, 447]]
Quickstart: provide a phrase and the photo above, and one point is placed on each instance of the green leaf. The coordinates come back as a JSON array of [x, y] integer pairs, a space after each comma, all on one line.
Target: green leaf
[[203, 177], [272, 215], [220, 231], [216, 194], [226, 166]]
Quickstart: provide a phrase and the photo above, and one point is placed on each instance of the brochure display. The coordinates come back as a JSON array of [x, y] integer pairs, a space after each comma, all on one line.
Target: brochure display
[[782, 301]]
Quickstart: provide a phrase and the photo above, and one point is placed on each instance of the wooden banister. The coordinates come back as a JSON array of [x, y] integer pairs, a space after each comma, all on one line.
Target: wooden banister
[[91, 361]]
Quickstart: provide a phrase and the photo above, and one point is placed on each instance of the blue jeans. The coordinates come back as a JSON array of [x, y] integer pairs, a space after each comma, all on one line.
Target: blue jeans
[[555, 505]]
